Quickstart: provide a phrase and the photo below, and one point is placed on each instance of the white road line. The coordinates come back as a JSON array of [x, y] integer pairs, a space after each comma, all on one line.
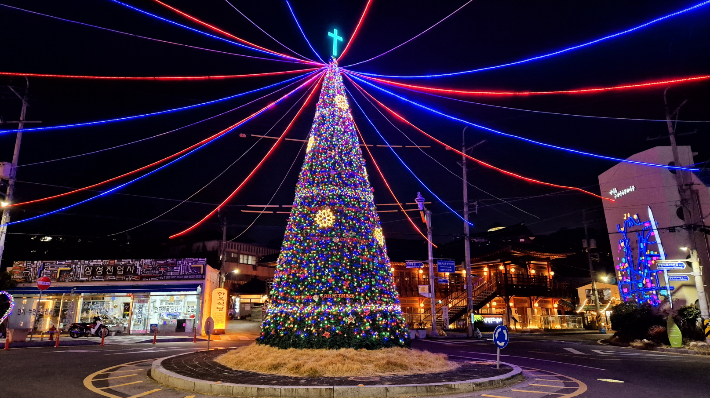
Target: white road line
[[534, 359], [573, 351]]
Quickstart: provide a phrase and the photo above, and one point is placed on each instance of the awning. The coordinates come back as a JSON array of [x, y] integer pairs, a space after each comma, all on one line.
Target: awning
[[107, 289]]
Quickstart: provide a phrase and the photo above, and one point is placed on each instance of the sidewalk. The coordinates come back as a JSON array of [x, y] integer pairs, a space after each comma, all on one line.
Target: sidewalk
[[235, 331]]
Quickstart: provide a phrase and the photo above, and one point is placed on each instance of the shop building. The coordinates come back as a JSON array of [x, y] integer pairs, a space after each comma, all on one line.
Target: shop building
[[645, 223], [172, 296]]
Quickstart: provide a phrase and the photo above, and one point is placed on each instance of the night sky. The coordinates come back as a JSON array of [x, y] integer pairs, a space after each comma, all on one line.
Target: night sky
[[484, 33]]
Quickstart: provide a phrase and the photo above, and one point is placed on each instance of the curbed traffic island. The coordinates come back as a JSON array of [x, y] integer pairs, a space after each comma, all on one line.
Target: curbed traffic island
[[202, 372]]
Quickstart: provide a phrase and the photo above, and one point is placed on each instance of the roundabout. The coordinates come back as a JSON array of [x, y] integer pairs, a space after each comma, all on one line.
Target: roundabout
[[200, 373]]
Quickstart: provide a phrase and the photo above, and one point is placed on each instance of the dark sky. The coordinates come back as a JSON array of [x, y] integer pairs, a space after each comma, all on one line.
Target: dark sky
[[482, 34]]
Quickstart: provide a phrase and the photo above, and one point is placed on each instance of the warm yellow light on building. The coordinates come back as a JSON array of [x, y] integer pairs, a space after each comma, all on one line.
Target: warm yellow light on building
[[537, 305], [532, 271], [502, 267], [552, 273], [392, 269], [512, 269], [494, 303], [421, 271], [421, 304]]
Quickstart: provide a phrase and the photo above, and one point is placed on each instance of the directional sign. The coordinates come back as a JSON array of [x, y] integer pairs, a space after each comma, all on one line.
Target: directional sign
[[445, 266], [500, 336], [414, 264], [670, 264], [443, 280], [678, 278]]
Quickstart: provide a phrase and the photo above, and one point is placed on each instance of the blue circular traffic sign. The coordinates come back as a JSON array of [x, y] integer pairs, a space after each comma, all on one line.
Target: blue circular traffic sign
[[500, 336]]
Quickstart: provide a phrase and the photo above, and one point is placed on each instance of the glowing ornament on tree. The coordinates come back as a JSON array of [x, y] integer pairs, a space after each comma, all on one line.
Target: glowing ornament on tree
[[311, 142], [379, 236], [325, 218], [342, 102]]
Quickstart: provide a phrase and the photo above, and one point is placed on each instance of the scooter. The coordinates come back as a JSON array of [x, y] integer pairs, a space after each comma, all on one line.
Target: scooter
[[84, 329]]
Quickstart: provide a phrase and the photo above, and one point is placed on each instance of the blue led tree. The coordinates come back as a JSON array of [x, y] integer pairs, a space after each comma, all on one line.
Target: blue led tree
[[333, 286], [636, 278]]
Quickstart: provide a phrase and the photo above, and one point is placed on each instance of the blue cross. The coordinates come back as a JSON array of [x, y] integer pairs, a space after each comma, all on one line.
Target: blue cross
[[336, 38]]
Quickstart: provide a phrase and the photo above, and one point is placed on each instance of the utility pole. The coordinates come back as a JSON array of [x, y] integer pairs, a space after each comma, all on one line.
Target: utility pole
[[467, 242], [467, 236], [13, 168], [592, 274], [426, 215], [684, 182]]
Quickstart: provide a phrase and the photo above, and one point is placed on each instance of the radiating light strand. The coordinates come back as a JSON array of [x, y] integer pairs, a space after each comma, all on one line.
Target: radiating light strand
[[162, 134], [370, 99], [201, 32], [186, 150], [357, 29], [265, 32], [499, 93], [482, 163], [379, 171], [478, 126], [404, 164], [303, 33], [547, 55], [215, 178], [223, 32], [254, 170], [150, 38], [125, 118], [161, 78], [426, 30]]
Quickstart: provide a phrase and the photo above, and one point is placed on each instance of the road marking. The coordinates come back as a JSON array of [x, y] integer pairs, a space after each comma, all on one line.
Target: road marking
[[611, 380], [88, 381], [192, 396], [118, 377], [547, 385], [145, 393], [534, 359], [539, 392], [573, 351], [580, 390], [120, 385], [118, 371], [483, 395]]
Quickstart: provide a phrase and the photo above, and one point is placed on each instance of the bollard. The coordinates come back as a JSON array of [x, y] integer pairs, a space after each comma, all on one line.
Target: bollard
[[194, 336], [155, 336], [7, 342], [103, 336], [56, 342]]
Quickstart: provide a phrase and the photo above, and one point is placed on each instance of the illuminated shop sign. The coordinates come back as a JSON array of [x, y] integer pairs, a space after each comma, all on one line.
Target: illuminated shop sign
[[616, 193]]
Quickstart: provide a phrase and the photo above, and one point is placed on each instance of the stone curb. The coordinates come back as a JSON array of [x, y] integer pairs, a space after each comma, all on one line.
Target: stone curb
[[668, 350], [172, 379]]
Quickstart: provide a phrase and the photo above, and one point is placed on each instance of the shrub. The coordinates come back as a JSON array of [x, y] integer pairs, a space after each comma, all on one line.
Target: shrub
[[632, 321], [687, 320], [658, 334]]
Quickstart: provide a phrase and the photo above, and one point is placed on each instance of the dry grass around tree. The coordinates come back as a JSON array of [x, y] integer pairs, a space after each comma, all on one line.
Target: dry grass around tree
[[334, 363]]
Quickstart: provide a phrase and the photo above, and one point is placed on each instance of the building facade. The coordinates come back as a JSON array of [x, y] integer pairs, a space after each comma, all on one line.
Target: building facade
[[645, 223], [170, 296]]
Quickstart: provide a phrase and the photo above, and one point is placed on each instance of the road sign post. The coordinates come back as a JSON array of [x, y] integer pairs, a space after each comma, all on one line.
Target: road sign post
[[209, 329], [500, 339]]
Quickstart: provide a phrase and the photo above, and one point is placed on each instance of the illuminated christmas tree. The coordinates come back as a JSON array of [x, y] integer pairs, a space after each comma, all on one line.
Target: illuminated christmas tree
[[333, 286]]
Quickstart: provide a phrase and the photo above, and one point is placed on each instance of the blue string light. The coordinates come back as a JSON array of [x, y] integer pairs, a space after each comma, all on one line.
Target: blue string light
[[182, 108], [557, 113], [404, 164], [114, 189], [478, 126], [302, 33], [522, 61], [197, 30]]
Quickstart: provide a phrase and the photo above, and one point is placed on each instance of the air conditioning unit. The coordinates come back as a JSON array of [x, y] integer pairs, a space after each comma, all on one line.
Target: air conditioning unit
[[6, 170]]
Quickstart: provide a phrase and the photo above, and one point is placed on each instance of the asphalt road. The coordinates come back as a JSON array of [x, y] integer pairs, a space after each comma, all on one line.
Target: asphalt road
[[555, 368]]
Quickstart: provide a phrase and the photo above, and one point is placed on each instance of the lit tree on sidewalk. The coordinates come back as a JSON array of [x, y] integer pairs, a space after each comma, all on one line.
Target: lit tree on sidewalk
[[333, 286]]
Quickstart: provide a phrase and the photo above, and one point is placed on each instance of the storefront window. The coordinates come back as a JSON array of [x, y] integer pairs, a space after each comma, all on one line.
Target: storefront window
[[165, 312], [113, 310]]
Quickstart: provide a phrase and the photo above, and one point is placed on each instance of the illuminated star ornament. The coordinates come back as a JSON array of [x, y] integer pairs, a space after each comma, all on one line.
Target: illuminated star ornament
[[342, 102], [325, 218]]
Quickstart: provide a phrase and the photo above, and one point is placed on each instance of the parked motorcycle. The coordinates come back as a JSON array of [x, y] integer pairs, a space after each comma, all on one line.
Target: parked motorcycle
[[84, 329]]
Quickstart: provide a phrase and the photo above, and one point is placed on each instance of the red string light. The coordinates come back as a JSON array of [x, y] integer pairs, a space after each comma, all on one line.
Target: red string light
[[248, 177], [213, 77], [526, 93], [388, 186], [203, 142], [357, 28], [482, 163], [231, 36]]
